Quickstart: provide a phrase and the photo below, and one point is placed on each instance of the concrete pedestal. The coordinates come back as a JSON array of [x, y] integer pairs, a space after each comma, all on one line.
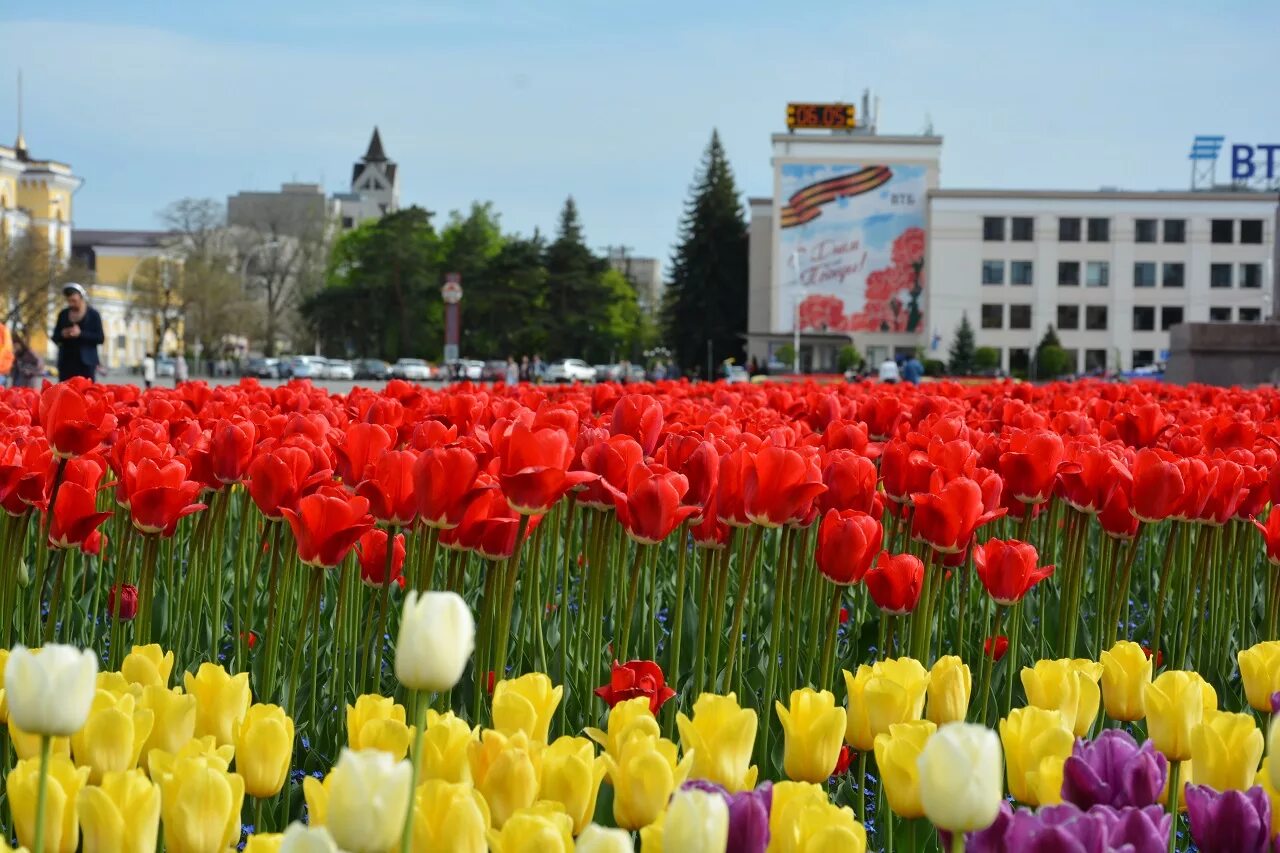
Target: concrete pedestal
[[1224, 354]]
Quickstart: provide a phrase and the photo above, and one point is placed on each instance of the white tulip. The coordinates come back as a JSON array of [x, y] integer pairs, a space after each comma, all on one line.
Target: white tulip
[[368, 800], [50, 691], [307, 839], [597, 839], [696, 821], [961, 777], [437, 637]]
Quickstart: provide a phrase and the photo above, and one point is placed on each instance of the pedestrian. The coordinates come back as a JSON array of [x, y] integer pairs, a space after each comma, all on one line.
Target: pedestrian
[[77, 333], [179, 369], [513, 371], [524, 368], [28, 367], [913, 370], [624, 372], [148, 370], [539, 369], [659, 371], [889, 371]]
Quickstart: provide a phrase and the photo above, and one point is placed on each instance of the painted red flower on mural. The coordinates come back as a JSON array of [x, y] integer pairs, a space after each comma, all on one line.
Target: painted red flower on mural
[[822, 312], [908, 249]]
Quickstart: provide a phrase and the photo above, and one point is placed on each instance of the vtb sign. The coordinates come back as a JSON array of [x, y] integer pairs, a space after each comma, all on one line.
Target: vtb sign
[[1249, 162]]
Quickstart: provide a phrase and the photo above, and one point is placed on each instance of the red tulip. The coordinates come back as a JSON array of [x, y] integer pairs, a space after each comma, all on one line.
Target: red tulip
[[1271, 535], [1007, 568], [650, 509], [710, 532], [388, 486], [160, 495], [851, 482], [947, 520], [75, 514], [699, 461], [639, 416], [444, 481], [36, 479], [904, 470], [371, 548], [327, 524], [731, 487], [1158, 487], [94, 543], [780, 487], [634, 679], [279, 478], [74, 419], [1140, 426], [995, 647], [488, 527], [848, 541], [1029, 467], [361, 444], [231, 449], [894, 582], [612, 461], [1088, 477], [534, 469], [128, 599], [1116, 516]]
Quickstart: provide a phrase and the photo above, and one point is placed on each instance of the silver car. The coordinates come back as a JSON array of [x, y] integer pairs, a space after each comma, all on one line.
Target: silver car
[[337, 368]]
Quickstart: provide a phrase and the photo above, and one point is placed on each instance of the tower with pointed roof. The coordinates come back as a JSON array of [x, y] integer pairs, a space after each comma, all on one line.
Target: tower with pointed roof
[[375, 188]]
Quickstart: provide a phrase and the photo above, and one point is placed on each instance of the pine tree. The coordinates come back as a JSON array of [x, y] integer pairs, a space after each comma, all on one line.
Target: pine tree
[[578, 298], [962, 348], [706, 294]]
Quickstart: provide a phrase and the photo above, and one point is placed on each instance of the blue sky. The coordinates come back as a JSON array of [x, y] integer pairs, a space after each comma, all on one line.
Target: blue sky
[[525, 103]]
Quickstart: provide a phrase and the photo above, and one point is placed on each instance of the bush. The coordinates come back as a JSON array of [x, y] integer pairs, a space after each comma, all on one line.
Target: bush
[[935, 367], [848, 359], [786, 354], [986, 358], [1052, 362]]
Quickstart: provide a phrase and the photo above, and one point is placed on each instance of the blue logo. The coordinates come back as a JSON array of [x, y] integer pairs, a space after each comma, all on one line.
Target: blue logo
[[1254, 161], [1206, 147]]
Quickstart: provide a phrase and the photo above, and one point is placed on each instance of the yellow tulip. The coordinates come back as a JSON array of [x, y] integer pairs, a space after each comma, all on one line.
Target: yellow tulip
[[264, 749], [222, 700], [147, 666], [808, 825], [526, 704], [896, 756], [857, 732], [450, 817], [369, 799], [535, 829], [623, 717], [950, 686], [597, 839], [174, 715], [1174, 704], [27, 744], [894, 693], [696, 820], [122, 815], [61, 828], [114, 682], [113, 736], [1267, 784], [378, 722], [315, 792], [571, 776], [1030, 735], [1066, 685], [1225, 751], [650, 837], [644, 774], [505, 770], [1046, 780], [960, 784], [200, 806], [1126, 671], [444, 748], [264, 842], [788, 800], [814, 728], [720, 736], [1260, 672], [1273, 748]]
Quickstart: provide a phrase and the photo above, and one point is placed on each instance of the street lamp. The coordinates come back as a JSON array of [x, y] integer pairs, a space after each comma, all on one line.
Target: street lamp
[[244, 267]]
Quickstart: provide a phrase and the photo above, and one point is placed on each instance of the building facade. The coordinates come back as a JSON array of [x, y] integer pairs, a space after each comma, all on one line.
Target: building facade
[[375, 187], [645, 275]]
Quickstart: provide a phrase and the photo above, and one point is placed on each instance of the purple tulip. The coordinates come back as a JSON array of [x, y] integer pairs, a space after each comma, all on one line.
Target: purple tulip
[[989, 840], [748, 815], [1068, 829], [1113, 771], [1275, 702], [1230, 821], [1145, 830]]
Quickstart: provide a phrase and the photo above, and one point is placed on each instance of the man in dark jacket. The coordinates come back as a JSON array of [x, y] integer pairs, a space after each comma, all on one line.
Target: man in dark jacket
[[78, 333]]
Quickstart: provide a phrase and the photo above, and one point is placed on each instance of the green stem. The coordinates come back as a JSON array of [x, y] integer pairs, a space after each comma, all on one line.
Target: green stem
[[829, 644], [744, 586], [415, 761], [637, 562], [46, 742], [512, 571], [1015, 614], [1174, 768]]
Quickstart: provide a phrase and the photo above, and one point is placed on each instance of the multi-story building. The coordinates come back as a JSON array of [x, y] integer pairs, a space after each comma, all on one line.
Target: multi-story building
[[645, 274]]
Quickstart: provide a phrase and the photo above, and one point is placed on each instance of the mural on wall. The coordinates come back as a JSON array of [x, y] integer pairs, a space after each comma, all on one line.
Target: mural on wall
[[851, 246]]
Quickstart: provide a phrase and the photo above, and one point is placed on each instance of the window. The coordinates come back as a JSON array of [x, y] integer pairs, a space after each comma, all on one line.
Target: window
[[1250, 230], [1069, 273], [1222, 231], [1095, 318], [1069, 229], [1020, 272], [1144, 274], [1144, 318], [1143, 358], [1024, 229], [1144, 230], [1019, 316], [1095, 360], [993, 228], [1251, 275], [348, 222], [1099, 230], [1073, 359], [993, 316], [1219, 275], [1019, 360], [1250, 315], [1173, 275], [1068, 317], [1175, 230], [1170, 315], [1097, 274], [993, 272], [1219, 314]]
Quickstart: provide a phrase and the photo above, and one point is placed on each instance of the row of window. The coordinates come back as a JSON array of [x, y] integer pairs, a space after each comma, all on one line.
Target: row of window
[[1098, 229], [1094, 359], [1095, 316], [1098, 274]]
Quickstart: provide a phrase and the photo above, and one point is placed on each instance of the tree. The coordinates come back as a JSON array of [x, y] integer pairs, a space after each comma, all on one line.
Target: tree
[[513, 284], [159, 296], [577, 294], [1051, 360], [848, 358], [961, 354], [706, 296], [30, 275], [986, 358]]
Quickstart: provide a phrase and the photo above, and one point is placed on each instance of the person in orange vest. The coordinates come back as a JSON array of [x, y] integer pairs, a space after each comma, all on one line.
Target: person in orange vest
[[6, 354]]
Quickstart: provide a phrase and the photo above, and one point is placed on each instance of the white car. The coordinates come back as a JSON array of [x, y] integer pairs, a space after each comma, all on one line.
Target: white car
[[571, 370], [337, 368], [735, 373], [308, 367], [413, 369]]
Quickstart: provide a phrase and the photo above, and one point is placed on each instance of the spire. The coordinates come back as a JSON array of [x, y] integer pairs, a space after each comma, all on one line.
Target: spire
[[375, 153], [20, 147]]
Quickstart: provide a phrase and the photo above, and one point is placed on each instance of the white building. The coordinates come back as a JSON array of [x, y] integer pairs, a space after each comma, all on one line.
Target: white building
[[645, 274], [375, 187]]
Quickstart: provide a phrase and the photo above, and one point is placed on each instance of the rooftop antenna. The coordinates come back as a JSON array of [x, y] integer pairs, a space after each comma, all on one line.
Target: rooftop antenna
[[928, 125], [21, 144]]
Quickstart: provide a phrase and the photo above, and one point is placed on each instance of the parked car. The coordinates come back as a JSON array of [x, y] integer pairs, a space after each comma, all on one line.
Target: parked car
[[570, 370], [337, 368], [262, 368], [372, 368], [735, 373], [608, 372], [307, 367], [165, 367], [413, 369], [494, 370]]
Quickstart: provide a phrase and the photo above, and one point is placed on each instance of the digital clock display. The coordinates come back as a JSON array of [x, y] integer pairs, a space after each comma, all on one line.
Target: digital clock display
[[821, 117]]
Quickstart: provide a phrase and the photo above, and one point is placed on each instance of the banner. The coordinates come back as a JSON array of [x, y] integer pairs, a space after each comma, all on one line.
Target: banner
[[851, 248]]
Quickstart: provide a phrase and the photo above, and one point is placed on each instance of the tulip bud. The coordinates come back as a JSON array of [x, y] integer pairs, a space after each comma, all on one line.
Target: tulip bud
[[377, 722], [368, 798], [122, 815], [571, 776], [1225, 751], [200, 806], [127, 608], [50, 692], [222, 700], [696, 820], [1260, 672], [113, 736], [813, 727], [263, 842], [625, 718], [806, 821], [894, 693], [960, 785], [857, 732], [264, 748], [1069, 686], [1174, 705], [536, 829], [315, 793], [444, 748], [437, 637], [896, 754], [526, 704], [1126, 670], [1030, 735], [597, 839], [643, 774], [174, 720], [61, 829], [505, 771], [450, 816], [721, 737], [147, 665], [950, 685], [307, 839]]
